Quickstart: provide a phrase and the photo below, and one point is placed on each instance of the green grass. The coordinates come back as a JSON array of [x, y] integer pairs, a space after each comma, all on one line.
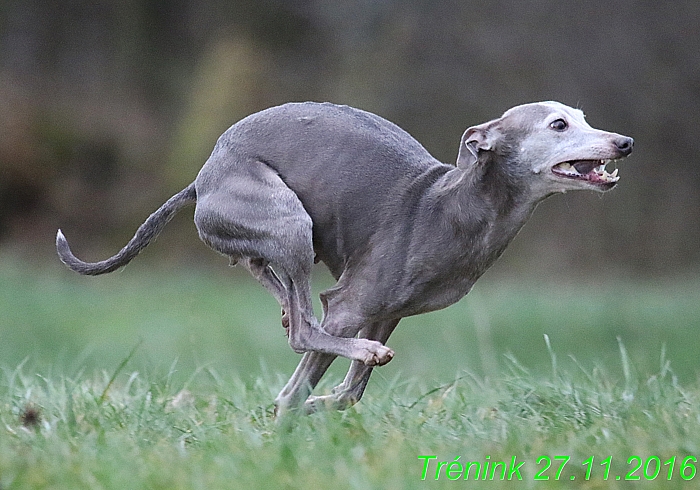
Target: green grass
[[163, 379]]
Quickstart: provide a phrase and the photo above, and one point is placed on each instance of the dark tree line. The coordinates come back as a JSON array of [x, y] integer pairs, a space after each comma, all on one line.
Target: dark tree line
[[107, 108]]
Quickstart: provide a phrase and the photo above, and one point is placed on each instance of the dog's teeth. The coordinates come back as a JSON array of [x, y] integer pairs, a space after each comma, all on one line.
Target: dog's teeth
[[567, 168], [614, 174]]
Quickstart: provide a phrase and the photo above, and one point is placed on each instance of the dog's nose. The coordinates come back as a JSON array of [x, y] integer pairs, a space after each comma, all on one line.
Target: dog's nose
[[624, 145]]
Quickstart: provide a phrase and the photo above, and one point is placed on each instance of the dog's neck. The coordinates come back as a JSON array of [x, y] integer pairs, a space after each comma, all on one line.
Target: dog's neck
[[488, 206]]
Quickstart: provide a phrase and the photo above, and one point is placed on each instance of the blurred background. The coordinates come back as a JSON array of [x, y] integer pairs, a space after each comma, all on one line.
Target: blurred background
[[107, 108]]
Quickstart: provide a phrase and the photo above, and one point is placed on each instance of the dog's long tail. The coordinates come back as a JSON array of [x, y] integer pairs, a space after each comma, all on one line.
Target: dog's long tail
[[144, 235]]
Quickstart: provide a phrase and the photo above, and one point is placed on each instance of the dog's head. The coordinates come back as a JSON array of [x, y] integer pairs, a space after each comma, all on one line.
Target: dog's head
[[549, 146]]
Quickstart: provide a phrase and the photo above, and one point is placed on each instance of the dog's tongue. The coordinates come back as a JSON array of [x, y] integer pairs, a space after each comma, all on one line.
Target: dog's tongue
[[585, 166]]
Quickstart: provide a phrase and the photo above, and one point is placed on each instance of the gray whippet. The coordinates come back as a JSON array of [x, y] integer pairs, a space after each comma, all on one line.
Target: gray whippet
[[401, 232]]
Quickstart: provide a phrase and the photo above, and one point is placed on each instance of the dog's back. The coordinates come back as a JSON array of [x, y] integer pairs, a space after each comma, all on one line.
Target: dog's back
[[347, 166]]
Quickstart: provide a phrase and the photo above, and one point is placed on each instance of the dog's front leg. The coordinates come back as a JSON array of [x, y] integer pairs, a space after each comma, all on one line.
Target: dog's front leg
[[341, 323], [308, 373], [313, 366], [335, 335], [353, 386]]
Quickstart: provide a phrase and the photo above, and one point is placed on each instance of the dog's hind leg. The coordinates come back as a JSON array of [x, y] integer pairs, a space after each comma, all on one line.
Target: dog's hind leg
[[342, 320], [255, 219], [335, 337], [260, 269], [252, 214], [353, 386]]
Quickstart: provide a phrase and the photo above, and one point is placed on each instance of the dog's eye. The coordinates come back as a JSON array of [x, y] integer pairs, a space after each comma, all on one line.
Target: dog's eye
[[558, 125]]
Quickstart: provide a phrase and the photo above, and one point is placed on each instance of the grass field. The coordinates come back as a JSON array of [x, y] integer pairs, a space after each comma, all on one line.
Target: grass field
[[162, 379]]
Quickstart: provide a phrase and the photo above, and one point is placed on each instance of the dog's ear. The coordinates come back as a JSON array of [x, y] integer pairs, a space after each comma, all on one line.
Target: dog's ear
[[475, 142]]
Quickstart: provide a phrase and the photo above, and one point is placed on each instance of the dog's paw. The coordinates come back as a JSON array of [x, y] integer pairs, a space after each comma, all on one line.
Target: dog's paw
[[318, 403], [375, 354], [340, 399]]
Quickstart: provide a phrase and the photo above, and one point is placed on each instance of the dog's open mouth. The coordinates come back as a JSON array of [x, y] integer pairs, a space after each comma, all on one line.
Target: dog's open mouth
[[592, 171]]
